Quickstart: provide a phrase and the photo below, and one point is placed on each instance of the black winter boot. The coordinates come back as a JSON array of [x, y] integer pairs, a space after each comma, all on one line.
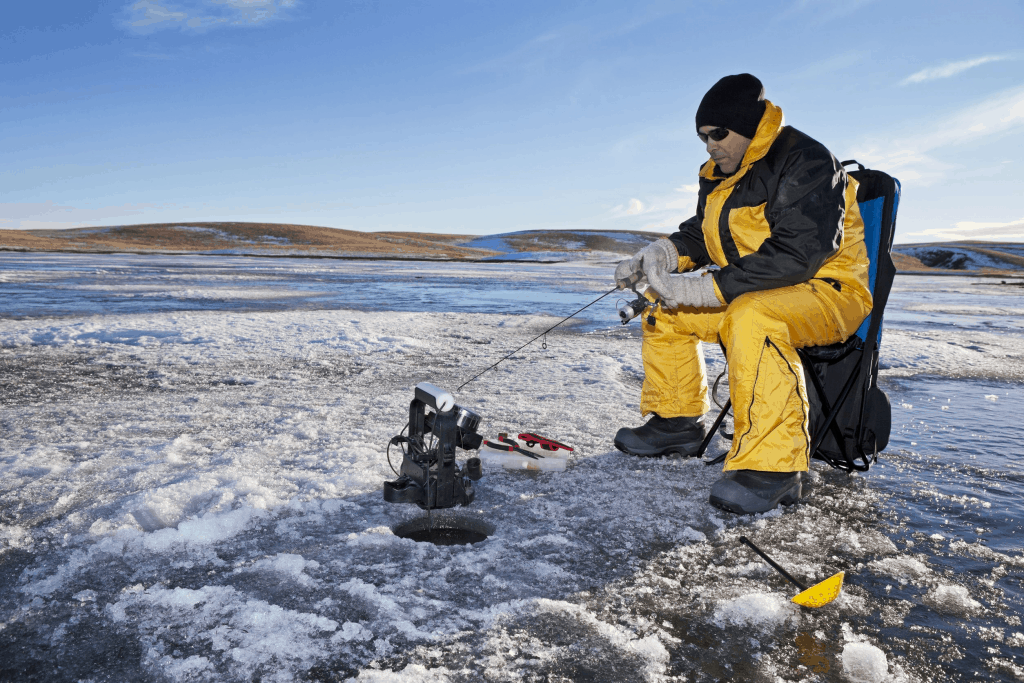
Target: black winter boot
[[662, 436], [746, 492]]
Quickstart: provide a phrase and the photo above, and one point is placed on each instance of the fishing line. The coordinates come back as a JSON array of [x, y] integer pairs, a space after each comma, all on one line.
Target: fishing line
[[616, 289]]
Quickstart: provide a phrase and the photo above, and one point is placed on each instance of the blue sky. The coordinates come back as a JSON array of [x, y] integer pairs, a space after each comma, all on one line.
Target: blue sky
[[482, 117]]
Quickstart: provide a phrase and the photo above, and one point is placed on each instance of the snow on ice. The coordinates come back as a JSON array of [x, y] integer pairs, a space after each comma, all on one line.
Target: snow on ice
[[196, 495]]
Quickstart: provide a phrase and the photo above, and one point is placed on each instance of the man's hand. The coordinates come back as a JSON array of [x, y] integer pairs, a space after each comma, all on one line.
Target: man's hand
[[697, 291], [659, 257]]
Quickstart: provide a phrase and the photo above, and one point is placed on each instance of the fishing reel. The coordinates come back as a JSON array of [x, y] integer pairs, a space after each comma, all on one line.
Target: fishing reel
[[636, 307], [429, 475]]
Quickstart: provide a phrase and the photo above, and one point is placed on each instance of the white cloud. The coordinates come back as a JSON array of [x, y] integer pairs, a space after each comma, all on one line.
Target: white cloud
[[661, 213], [911, 155], [149, 12], [146, 16], [634, 207], [950, 69], [971, 225], [1012, 231]]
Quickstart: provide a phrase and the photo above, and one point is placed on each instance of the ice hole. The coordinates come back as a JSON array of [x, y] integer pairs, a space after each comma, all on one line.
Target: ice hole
[[442, 529]]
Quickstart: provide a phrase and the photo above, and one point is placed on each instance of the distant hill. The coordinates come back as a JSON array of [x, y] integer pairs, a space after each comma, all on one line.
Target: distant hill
[[241, 238], [274, 239], [983, 257]]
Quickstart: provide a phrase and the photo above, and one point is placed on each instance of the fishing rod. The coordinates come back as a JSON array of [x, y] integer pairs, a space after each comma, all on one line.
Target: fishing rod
[[430, 476], [608, 293], [621, 285]]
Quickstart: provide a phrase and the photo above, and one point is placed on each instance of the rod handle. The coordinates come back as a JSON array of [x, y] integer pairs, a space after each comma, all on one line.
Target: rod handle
[[630, 281]]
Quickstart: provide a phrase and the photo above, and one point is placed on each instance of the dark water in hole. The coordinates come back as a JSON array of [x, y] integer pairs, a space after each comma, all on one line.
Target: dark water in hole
[[444, 529], [445, 536]]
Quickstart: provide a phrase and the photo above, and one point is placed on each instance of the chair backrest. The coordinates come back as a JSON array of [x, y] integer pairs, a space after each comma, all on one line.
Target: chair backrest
[[878, 196]]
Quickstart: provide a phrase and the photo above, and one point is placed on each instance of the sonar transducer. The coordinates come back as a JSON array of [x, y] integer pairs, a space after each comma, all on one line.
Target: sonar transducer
[[818, 595], [429, 475]]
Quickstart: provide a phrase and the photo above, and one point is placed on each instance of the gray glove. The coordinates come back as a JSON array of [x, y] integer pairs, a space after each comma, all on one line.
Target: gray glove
[[683, 290], [660, 256]]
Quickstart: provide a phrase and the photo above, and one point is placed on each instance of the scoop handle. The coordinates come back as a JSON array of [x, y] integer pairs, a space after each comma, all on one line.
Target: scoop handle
[[744, 539]]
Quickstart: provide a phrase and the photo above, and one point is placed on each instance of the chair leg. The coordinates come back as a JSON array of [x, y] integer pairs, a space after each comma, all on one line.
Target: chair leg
[[711, 434], [830, 422], [826, 409]]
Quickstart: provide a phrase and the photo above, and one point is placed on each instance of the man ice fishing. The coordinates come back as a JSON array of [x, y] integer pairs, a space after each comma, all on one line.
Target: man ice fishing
[[778, 215]]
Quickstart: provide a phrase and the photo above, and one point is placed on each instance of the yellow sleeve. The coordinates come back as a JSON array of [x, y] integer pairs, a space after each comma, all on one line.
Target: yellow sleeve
[[686, 264], [718, 292]]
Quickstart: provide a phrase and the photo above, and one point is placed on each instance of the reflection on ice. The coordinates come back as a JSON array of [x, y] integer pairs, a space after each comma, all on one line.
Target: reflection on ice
[[68, 285]]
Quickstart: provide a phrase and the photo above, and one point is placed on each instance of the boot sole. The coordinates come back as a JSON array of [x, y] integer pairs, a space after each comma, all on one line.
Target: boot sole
[[788, 499], [686, 450]]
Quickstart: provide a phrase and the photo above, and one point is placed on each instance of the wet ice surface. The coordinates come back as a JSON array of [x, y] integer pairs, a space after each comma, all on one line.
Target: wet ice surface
[[194, 493], [963, 303], [68, 285]]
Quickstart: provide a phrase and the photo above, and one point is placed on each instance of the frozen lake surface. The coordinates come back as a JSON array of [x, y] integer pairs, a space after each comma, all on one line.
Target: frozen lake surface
[[193, 454]]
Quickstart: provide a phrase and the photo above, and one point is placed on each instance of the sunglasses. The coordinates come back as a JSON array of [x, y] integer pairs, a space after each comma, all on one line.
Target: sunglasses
[[716, 134]]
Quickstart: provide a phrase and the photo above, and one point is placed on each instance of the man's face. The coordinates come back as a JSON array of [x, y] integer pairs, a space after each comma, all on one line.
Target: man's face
[[728, 152]]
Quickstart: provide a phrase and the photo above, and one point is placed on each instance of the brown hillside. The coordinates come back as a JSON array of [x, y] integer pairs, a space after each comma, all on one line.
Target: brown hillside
[[262, 238], [905, 262]]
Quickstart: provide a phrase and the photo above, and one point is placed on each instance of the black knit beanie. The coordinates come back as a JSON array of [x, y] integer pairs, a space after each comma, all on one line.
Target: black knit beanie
[[735, 102]]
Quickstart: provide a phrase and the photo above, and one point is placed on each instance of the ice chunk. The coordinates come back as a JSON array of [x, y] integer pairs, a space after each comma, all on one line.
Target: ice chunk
[[763, 610], [904, 568], [351, 631], [414, 673], [14, 537], [183, 446], [185, 669], [864, 663], [208, 529], [952, 600], [252, 634], [289, 565]]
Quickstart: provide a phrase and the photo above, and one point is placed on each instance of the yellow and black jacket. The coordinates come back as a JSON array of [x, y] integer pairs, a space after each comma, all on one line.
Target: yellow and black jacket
[[787, 215]]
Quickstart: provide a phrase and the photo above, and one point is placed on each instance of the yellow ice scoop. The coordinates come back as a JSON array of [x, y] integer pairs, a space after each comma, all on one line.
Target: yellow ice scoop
[[818, 595]]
